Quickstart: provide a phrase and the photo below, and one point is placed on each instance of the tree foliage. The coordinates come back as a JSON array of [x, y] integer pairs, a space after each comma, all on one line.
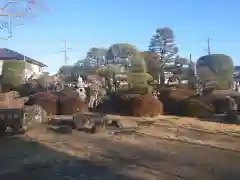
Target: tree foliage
[[138, 76], [181, 61], [216, 68], [181, 68], [96, 56], [66, 73], [44, 79], [151, 59], [13, 73], [163, 43], [108, 70], [65, 70], [138, 65], [121, 51]]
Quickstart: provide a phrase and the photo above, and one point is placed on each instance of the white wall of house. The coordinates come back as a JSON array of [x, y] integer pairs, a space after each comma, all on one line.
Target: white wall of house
[[1, 67], [33, 69]]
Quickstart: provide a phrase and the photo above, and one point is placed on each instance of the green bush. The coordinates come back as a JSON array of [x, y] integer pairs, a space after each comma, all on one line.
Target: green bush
[[13, 73], [217, 67]]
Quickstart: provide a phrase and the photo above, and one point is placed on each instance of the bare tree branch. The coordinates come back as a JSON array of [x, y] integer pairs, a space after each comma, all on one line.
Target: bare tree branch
[[13, 11]]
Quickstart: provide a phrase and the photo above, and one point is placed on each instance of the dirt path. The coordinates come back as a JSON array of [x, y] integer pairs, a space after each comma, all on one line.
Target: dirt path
[[44, 154]]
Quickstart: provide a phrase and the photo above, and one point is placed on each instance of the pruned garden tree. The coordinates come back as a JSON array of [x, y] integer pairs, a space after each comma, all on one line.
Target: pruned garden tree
[[138, 77], [163, 43], [151, 59], [108, 70], [215, 71], [180, 68], [65, 73], [120, 53], [84, 67], [97, 56]]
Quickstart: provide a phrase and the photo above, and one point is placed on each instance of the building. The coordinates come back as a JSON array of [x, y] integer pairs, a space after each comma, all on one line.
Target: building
[[236, 69], [32, 67]]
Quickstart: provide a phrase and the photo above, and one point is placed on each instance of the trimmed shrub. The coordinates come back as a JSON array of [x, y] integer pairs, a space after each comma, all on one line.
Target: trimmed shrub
[[48, 101], [146, 106]]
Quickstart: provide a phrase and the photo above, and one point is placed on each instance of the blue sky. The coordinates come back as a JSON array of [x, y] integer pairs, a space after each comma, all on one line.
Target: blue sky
[[89, 23]]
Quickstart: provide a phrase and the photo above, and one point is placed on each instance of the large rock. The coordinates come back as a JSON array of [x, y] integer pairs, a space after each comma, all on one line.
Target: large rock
[[11, 100], [33, 115]]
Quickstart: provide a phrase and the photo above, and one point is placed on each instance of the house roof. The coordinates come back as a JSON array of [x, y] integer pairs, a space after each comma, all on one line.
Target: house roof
[[237, 68], [7, 54]]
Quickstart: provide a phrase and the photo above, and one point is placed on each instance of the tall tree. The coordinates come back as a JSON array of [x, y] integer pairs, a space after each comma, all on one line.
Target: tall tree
[[163, 43], [120, 52], [84, 67], [181, 61], [65, 73]]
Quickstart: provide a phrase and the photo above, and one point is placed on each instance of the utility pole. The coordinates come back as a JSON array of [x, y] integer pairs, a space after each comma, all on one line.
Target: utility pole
[[66, 50], [208, 46]]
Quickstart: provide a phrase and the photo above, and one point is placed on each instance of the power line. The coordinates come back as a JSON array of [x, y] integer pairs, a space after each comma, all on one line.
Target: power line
[[66, 50]]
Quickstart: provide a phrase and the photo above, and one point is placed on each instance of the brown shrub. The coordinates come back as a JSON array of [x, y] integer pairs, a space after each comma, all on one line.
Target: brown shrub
[[117, 104], [146, 106], [71, 104], [68, 91], [130, 105], [176, 101], [49, 105], [48, 101], [199, 109]]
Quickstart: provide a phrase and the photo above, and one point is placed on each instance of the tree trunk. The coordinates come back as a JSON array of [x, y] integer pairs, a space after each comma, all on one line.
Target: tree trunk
[[162, 77]]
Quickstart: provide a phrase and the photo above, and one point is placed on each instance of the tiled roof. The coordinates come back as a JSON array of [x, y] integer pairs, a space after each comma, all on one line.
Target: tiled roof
[[7, 54]]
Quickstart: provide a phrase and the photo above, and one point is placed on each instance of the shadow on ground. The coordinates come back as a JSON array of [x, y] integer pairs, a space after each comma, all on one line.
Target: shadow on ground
[[173, 160], [26, 159], [113, 157]]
